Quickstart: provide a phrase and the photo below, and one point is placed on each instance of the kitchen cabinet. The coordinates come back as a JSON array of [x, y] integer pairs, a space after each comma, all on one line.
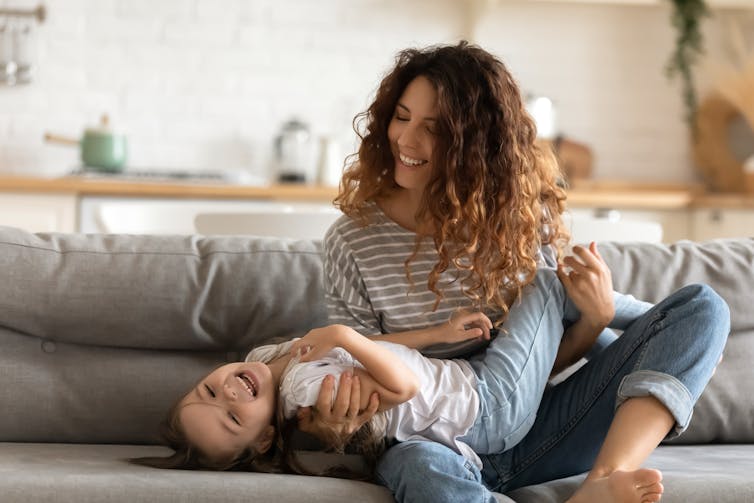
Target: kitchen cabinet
[[123, 215], [674, 223], [715, 4], [39, 212], [714, 223]]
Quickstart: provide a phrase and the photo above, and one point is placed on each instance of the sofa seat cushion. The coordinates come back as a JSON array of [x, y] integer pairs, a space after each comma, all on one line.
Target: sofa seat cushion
[[92, 473], [719, 473], [82, 473]]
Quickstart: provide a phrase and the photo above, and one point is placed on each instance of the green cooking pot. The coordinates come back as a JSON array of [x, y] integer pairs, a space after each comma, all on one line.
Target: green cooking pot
[[101, 148]]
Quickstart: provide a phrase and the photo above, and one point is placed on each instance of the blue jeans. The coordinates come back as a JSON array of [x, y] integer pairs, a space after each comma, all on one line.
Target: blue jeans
[[513, 371], [668, 352]]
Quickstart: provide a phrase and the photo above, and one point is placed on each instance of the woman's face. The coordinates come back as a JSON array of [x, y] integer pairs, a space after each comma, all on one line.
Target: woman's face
[[231, 409], [412, 133]]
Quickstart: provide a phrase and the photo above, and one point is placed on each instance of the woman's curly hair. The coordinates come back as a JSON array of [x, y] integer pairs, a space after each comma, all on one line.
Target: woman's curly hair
[[493, 195]]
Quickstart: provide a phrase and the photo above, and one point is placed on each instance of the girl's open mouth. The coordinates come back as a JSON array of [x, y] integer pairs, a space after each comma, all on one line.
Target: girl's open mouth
[[249, 383]]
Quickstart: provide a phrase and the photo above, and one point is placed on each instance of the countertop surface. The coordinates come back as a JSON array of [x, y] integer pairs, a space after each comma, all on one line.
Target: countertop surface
[[112, 186], [587, 194]]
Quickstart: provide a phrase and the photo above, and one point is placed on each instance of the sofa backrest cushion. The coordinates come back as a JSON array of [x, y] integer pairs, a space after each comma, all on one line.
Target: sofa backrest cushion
[[652, 271], [159, 292], [99, 334]]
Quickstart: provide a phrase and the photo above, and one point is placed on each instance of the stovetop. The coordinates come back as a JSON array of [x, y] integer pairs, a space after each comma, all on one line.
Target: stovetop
[[156, 175]]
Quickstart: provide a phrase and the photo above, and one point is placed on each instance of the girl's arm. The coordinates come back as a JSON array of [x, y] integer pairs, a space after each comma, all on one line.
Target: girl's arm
[[462, 326], [392, 379]]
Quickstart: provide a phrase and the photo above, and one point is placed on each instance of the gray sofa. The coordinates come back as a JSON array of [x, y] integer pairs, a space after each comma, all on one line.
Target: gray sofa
[[100, 333]]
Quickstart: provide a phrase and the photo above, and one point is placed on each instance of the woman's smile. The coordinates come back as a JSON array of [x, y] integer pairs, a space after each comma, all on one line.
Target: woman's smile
[[412, 134], [410, 161]]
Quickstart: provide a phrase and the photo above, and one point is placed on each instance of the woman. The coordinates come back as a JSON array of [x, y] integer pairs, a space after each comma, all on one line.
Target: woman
[[450, 208]]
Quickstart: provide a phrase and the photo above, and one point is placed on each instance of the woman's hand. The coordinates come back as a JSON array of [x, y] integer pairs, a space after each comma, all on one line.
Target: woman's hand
[[463, 326], [334, 421], [589, 285]]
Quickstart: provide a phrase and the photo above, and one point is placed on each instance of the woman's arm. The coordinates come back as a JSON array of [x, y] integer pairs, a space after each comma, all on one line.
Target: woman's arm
[[336, 417], [589, 285], [397, 383]]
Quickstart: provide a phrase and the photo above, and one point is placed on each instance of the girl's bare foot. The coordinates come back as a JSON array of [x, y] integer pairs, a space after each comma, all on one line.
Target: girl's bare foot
[[639, 486]]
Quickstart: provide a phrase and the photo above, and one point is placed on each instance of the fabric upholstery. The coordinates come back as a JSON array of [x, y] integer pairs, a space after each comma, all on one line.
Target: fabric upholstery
[[99, 334]]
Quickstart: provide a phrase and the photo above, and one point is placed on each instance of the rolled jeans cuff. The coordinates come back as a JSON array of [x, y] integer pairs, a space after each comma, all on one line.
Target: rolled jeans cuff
[[671, 392]]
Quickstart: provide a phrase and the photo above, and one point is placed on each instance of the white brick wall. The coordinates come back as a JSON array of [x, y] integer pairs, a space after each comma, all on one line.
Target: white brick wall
[[206, 84]]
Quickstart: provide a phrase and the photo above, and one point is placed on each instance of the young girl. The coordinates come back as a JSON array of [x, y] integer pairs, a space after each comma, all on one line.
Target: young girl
[[451, 207]]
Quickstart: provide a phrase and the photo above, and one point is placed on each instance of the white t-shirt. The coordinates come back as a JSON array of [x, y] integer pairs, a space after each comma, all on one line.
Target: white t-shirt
[[443, 410]]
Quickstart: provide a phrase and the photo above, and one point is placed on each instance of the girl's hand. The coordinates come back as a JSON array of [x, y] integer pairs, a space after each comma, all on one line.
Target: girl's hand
[[463, 326], [333, 421], [318, 342], [589, 284]]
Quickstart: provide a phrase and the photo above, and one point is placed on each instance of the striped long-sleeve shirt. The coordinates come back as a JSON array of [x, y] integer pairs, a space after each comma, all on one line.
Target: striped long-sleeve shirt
[[366, 284]]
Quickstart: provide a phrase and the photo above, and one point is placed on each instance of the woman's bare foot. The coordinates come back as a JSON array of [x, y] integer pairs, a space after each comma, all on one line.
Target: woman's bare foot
[[639, 486]]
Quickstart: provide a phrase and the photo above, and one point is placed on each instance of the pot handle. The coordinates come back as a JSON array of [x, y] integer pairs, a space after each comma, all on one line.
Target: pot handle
[[65, 140]]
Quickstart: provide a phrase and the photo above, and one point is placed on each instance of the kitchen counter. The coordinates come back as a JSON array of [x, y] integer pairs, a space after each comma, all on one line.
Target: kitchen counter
[[86, 203], [581, 194], [630, 195], [85, 186]]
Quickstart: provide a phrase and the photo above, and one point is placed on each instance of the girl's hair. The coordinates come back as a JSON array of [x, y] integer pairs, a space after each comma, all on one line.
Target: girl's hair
[[493, 195], [188, 457], [280, 458]]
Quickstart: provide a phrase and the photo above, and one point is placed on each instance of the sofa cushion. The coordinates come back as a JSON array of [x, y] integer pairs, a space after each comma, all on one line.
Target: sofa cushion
[[95, 473], [652, 271], [64, 392], [159, 292], [699, 473]]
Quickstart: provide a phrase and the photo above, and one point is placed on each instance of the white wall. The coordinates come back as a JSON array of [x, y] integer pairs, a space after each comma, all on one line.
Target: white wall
[[604, 66], [206, 84]]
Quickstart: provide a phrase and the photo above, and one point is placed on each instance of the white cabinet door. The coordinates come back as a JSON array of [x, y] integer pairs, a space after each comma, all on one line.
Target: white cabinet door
[[119, 215], [713, 223], [39, 212], [627, 224]]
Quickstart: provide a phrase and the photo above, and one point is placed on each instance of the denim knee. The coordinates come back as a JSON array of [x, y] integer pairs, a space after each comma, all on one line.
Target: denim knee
[[708, 305], [681, 356], [714, 306], [424, 459]]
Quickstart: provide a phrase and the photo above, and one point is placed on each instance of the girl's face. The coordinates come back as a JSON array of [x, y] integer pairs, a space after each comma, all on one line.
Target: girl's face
[[412, 134], [231, 409]]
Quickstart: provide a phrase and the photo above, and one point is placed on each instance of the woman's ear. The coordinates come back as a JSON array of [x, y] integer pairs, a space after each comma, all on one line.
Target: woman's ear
[[264, 441]]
